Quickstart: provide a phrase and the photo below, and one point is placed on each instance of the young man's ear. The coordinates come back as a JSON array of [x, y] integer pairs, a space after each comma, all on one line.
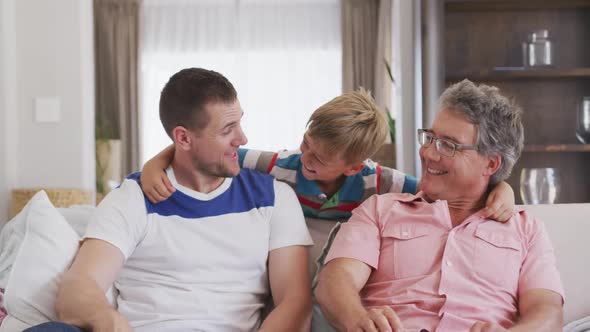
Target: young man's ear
[[182, 137], [494, 163], [354, 169]]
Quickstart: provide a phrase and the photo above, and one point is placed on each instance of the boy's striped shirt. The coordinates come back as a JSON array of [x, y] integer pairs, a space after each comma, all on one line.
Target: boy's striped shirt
[[286, 166]]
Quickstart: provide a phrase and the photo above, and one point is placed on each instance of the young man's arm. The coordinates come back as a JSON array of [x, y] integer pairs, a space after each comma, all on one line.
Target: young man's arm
[[287, 264], [540, 310], [290, 287], [112, 234], [337, 292], [81, 299]]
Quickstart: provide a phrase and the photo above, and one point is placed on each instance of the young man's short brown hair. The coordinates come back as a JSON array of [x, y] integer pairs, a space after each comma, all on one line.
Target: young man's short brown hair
[[183, 99], [351, 124]]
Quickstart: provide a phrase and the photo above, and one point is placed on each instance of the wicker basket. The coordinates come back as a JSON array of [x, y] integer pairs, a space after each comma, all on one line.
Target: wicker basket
[[60, 197]]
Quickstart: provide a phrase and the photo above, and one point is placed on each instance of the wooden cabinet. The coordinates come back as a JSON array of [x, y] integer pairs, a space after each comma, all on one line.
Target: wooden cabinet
[[483, 42]]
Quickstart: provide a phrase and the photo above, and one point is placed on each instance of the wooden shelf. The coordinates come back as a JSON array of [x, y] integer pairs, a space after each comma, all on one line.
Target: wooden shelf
[[496, 5], [557, 148], [519, 73]]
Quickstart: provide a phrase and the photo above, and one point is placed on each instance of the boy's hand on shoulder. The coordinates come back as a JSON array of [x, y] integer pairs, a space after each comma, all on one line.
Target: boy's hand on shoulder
[[500, 203], [155, 183]]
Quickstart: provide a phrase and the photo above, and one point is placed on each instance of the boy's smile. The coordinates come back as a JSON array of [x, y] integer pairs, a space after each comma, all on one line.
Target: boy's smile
[[328, 170]]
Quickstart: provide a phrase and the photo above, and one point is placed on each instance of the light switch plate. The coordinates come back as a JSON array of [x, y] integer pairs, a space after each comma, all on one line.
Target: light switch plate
[[47, 109]]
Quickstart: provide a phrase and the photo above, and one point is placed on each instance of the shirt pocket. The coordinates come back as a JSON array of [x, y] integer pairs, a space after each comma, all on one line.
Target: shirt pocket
[[497, 257], [409, 251]]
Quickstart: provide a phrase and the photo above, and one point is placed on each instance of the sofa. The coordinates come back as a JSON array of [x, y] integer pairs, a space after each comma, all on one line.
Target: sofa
[[39, 244]]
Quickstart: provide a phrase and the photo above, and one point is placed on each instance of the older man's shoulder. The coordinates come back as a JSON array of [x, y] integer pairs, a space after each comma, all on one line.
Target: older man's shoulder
[[525, 222], [385, 203]]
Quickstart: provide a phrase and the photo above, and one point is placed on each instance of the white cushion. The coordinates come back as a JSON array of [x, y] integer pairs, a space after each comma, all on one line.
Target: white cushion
[[11, 324], [568, 226], [11, 238], [78, 216], [47, 250]]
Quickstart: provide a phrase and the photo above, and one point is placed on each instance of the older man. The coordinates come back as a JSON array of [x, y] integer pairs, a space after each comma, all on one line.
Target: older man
[[431, 261]]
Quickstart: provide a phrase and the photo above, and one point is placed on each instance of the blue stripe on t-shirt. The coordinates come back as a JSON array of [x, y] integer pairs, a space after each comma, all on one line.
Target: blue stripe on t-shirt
[[249, 190]]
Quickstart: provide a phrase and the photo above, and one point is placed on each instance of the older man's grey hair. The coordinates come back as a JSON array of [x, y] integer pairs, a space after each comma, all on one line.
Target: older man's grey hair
[[497, 119]]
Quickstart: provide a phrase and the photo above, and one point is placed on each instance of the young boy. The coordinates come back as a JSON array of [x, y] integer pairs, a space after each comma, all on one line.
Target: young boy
[[330, 173]]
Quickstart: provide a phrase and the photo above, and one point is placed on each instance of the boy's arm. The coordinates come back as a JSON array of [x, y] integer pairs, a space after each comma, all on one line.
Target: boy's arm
[[500, 203], [262, 161], [393, 181], [154, 182]]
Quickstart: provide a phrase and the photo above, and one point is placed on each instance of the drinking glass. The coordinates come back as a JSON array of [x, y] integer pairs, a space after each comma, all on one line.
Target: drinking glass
[[539, 185], [583, 121]]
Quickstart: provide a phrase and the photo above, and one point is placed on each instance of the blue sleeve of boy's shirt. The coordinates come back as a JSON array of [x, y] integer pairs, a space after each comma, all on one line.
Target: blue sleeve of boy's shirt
[[410, 185], [241, 156]]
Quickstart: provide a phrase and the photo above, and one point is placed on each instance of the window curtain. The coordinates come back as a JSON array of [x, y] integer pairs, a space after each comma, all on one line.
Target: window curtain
[[116, 32], [283, 57], [366, 47]]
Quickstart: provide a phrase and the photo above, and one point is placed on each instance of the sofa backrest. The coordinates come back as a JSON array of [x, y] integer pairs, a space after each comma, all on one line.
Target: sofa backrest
[[568, 226]]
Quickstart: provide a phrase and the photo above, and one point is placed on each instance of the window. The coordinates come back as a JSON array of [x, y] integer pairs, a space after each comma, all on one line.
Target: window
[[283, 57]]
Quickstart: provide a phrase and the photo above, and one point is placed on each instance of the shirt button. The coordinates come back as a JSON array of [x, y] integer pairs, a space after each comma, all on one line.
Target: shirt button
[[322, 196], [405, 234], [449, 263]]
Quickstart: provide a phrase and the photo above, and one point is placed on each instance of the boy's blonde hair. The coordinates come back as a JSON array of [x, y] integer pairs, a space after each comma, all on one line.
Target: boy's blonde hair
[[351, 124]]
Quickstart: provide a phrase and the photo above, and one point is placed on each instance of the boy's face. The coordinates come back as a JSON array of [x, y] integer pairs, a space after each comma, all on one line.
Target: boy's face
[[321, 166]]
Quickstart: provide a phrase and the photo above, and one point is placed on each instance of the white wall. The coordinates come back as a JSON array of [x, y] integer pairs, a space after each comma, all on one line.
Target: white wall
[[53, 57], [7, 103]]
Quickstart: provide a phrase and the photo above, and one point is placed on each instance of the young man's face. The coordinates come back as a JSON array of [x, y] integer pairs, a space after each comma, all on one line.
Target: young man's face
[[214, 148], [319, 165], [458, 177]]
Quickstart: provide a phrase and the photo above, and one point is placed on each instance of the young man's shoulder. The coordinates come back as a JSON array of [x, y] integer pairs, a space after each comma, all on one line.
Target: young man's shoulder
[[254, 177], [128, 191]]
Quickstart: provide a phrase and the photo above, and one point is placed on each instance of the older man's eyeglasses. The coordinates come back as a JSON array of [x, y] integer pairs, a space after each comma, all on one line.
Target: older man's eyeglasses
[[443, 146]]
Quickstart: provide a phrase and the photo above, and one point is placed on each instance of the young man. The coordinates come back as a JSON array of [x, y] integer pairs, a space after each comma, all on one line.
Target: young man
[[208, 257], [330, 173]]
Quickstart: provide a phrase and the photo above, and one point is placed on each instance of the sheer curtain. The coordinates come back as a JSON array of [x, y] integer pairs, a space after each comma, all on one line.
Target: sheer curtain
[[283, 57]]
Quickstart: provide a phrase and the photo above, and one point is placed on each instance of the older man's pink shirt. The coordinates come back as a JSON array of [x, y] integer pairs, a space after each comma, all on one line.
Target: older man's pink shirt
[[441, 278]]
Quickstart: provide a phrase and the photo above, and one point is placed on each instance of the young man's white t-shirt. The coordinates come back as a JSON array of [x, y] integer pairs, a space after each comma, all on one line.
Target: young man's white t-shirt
[[198, 262]]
